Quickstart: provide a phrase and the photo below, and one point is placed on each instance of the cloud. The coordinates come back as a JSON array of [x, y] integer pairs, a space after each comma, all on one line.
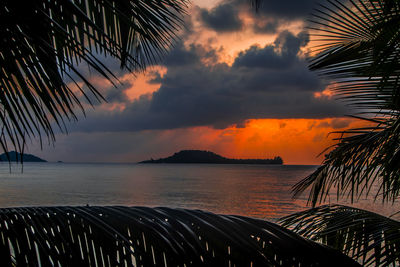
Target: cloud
[[286, 9], [196, 89], [263, 82], [337, 123], [280, 55], [260, 138], [128, 146], [222, 18], [269, 26], [180, 56], [274, 14], [226, 16]]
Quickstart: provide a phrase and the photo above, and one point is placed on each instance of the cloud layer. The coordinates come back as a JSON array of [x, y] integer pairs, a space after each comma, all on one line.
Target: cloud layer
[[214, 91], [222, 18], [263, 82], [228, 15]]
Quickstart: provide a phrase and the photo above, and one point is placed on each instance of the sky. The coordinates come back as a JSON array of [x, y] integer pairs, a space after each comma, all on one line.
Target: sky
[[235, 83]]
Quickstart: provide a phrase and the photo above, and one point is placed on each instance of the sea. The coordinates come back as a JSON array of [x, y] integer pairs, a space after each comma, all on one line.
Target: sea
[[259, 191]]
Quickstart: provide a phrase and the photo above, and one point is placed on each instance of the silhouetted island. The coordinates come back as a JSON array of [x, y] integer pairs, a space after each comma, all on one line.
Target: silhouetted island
[[200, 156], [16, 156]]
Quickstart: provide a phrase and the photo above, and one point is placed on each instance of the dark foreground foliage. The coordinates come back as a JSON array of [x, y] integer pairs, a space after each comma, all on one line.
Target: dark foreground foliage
[[138, 236], [359, 47], [46, 46], [370, 238]]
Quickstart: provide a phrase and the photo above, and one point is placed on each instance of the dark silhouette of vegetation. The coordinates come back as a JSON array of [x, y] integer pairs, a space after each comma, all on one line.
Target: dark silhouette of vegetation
[[42, 43], [138, 236], [200, 156], [14, 156], [359, 48], [371, 238]]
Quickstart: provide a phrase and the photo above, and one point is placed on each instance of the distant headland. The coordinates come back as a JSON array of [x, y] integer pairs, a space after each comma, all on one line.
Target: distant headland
[[200, 156], [14, 156]]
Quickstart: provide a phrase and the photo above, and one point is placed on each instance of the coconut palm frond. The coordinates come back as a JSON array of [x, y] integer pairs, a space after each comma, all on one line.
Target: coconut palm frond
[[138, 236], [370, 238], [256, 3], [43, 43], [359, 48], [357, 165]]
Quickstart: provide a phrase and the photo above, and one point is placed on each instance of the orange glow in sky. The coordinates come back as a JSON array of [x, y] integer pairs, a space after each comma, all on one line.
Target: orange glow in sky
[[141, 82], [230, 44], [297, 141]]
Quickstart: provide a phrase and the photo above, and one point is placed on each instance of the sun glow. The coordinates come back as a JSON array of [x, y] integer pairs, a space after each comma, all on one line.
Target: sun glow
[[297, 141]]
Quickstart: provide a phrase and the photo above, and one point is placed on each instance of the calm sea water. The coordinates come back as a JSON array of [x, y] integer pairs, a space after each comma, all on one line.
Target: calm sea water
[[261, 191]]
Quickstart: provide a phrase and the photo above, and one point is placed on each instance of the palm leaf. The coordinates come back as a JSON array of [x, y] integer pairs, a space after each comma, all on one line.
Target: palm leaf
[[138, 236], [256, 3], [44, 41], [358, 45], [370, 238]]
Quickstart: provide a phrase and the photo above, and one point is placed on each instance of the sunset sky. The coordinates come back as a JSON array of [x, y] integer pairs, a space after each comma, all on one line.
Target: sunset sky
[[235, 83]]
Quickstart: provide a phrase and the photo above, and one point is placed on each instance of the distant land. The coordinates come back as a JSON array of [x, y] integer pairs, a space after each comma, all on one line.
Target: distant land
[[200, 156], [25, 157]]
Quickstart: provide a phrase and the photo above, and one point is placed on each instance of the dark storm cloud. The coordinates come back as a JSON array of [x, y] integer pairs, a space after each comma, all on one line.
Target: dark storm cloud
[[179, 56], [264, 82], [111, 89], [272, 14], [117, 94], [266, 26], [222, 18], [112, 93], [288, 9], [267, 57], [225, 17]]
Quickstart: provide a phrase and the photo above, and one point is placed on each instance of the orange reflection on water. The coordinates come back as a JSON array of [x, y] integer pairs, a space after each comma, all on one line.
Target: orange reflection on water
[[249, 190]]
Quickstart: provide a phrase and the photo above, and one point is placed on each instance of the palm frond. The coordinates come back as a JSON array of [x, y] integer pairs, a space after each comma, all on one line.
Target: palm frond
[[359, 48], [138, 236], [44, 41], [256, 3], [368, 158], [370, 238]]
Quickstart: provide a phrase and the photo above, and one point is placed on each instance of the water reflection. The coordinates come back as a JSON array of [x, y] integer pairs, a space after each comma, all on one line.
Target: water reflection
[[250, 190]]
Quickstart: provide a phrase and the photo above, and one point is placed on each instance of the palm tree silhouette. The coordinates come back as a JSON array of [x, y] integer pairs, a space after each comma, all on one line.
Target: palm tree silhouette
[[359, 48], [44, 41]]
